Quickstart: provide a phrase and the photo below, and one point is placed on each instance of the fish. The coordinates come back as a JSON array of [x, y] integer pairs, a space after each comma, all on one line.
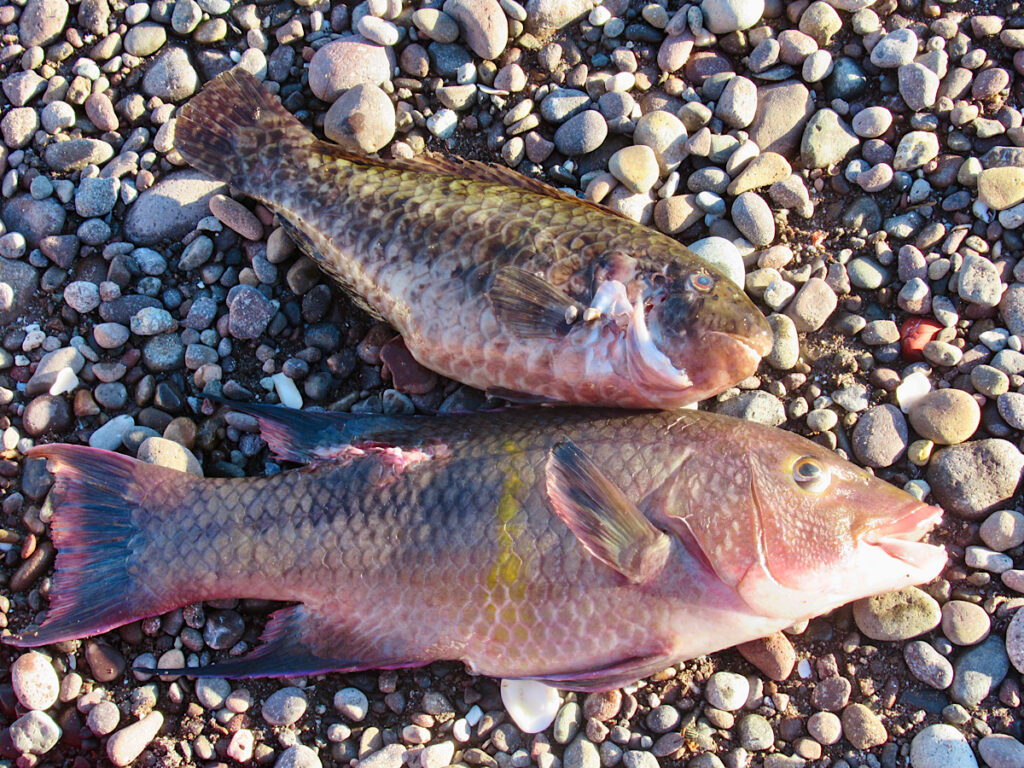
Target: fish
[[580, 547], [491, 278]]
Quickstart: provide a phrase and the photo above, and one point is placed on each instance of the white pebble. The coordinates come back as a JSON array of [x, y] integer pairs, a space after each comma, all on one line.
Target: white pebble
[[912, 389], [65, 381], [287, 392], [530, 704]]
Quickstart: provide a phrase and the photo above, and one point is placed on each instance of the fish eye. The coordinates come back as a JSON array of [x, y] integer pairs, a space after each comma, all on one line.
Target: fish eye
[[701, 282], [811, 475]]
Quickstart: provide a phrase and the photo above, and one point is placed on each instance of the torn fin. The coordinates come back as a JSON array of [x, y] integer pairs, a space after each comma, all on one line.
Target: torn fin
[[93, 590], [222, 130], [613, 676], [530, 306], [307, 436], [607, 524]]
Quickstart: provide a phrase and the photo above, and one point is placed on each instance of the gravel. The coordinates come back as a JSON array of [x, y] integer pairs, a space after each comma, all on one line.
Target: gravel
[[855, 165]]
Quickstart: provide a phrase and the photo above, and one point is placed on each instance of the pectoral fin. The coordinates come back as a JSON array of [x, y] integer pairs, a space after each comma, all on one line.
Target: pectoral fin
[[608, 524], [529, 306]]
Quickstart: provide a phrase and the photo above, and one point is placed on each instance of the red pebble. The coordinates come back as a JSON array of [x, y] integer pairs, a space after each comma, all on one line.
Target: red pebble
[[915, 333], [407, 375]]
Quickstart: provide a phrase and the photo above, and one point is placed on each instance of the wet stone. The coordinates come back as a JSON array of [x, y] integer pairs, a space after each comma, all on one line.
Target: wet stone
[[223, 629]]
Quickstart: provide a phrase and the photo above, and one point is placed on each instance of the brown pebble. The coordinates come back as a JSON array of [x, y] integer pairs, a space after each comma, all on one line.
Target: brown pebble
[[773, 655], [236, 216], [602, 706], [30, 570], [104, 660], [407, 374]]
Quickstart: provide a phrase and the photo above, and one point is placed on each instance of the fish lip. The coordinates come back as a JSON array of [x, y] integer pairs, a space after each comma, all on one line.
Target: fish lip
[[758, 344], [902, 539], [748, 348], [909, 527]]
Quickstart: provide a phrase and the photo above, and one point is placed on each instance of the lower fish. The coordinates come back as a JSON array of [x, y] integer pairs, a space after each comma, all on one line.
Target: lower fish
[[583, 548], [493, 279]]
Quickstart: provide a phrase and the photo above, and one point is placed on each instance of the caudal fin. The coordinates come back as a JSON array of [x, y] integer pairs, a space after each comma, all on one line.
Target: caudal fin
[[93, 589], [233, 126]]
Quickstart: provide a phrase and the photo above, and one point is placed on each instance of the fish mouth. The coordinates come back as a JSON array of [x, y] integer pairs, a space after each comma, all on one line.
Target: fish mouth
[[759, 339], [901, 539], [751, 347]]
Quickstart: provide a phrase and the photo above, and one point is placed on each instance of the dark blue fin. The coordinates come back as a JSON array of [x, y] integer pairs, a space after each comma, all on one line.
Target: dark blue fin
[[307, 436], [289, 646], [613, 676], [608, 525], [92, 530]]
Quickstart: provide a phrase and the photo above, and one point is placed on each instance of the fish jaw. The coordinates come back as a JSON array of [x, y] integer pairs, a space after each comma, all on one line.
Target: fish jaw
[[718, 362], [887, 558]]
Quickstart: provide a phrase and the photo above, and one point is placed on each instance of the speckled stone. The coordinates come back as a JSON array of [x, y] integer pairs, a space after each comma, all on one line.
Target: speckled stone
[[898, 615], [975, 478]]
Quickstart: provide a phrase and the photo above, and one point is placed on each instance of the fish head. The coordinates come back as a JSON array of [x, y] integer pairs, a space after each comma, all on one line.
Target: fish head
[[700, 325], [803, 531]]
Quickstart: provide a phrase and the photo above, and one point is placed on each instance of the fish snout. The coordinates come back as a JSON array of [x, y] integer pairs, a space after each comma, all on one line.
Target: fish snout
[[748, 326]]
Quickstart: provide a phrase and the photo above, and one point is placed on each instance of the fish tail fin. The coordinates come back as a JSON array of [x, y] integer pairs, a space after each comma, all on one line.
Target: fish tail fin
[[93, 588], [234, 127]]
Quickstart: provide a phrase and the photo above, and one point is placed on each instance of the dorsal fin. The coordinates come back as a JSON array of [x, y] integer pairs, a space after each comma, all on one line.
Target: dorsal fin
[[460, 168]]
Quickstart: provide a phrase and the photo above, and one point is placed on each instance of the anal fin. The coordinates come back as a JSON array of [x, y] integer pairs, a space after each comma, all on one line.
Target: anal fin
[[307, 436], [296, 641], [612, 676]]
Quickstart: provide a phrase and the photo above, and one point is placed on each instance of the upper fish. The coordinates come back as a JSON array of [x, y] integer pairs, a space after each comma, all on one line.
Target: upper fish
[[581, 547], [493, 279]]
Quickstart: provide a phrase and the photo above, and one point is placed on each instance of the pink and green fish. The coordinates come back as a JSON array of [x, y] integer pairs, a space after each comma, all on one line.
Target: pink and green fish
[[493, 279], [584, 548]]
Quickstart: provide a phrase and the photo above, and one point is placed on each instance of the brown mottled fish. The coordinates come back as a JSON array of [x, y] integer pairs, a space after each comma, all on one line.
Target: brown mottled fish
[[492, 279], [580, 547]]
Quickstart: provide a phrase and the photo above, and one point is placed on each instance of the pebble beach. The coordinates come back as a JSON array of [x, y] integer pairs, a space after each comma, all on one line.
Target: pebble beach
[[856, 165]]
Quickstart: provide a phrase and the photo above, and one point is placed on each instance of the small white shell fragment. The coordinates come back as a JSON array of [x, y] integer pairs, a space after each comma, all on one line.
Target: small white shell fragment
[[287, 391], [912, 389], [64, 381], [803, 668], [531, 705]]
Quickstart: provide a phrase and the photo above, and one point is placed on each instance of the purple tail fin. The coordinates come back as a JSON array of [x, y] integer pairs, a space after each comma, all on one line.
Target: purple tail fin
[[92, 529]]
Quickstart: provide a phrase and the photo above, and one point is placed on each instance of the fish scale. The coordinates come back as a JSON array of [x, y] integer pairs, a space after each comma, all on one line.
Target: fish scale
[[476, 537], [421, 243]]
